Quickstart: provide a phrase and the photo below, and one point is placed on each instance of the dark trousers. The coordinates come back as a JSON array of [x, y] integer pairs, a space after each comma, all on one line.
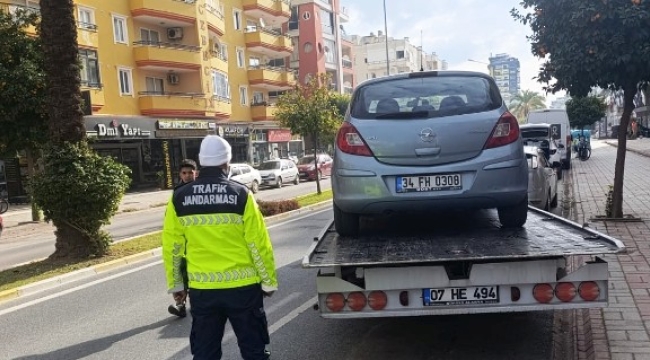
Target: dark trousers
[[243, 307]]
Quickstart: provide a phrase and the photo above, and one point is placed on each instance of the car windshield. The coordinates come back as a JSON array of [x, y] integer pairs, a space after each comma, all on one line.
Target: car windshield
[[307, 160], [270, 165], [425, 97]]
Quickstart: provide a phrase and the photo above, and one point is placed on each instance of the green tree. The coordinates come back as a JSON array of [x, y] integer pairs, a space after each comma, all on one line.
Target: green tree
[[341, 103], [525, 102], [22, 90], [585, 111], [78, 190], [594, 43], [309, 110]]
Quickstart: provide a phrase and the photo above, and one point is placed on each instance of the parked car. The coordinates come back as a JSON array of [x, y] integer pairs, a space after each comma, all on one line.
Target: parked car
[[278, 172], [542, 179], [308, 171], [561, 130], [247, 175], [396, 153], [539, 135]]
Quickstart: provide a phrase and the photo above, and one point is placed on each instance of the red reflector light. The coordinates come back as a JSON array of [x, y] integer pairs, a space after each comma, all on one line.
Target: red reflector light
[[350, 141], [356, 301], [589, 291], [377, 300], [543, 293], [335, 302], [404, 298], [505, 132], [515, 294], [565, 291]]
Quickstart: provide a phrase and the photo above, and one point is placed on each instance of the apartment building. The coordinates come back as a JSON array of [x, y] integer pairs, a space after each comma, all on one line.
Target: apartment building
[[370, 59], [158, 75], [506, 71]]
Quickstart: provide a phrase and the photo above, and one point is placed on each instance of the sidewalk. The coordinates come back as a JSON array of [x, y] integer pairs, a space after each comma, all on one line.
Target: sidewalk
[[639, 146], [621, 331]]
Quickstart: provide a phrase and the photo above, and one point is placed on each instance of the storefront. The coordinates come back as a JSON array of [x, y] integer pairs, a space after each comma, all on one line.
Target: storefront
[[238, 136], [269, 143]]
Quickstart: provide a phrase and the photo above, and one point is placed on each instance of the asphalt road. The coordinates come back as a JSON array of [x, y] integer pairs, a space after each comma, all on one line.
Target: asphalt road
[[122, 315], [35, 241]]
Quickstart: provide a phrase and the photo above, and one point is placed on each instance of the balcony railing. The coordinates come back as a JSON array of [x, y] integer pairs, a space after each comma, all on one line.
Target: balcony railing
[[91, 84], [165, 45], [223, 99], [215, 11], [171, 93], [266, 30], [347, 64], [87, 26]]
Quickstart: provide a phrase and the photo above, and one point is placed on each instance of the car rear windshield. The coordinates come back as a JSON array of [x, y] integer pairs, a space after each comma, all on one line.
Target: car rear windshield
[[306, 160], [425, 97], [534, 133]]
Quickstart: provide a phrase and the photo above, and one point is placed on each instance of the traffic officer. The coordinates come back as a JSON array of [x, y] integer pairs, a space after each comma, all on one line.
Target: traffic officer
[[230, 265]]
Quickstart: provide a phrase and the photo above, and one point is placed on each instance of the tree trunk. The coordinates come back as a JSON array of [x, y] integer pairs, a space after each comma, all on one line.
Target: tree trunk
[[78, 245], [619, 169], [37, 215], [58, 31], [318, 189]]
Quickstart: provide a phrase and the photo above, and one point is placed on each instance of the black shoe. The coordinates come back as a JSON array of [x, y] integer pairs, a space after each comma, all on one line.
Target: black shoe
[[178, 310], [267, 353]]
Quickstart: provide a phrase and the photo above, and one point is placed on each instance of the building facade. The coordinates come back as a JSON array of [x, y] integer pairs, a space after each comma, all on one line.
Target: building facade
[[370, 56], [158, 75], [506, 71]]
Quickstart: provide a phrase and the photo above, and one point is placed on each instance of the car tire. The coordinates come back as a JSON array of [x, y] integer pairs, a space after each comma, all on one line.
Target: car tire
[[296, 181], [566, 164], [255, 187], [514, 216], [279, 184], [554, 201], [346, 224], [558, 171]]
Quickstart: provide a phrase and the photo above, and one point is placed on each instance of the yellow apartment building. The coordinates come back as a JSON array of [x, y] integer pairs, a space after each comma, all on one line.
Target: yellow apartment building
[[158, 75]]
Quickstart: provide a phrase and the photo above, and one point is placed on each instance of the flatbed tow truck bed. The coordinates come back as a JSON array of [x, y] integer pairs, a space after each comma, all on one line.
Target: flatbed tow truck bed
[[419, 266]]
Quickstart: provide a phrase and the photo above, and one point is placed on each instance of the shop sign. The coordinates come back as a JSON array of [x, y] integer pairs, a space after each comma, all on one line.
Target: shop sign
[[234, 131], [185, 125], [279, 135], [116, 130]]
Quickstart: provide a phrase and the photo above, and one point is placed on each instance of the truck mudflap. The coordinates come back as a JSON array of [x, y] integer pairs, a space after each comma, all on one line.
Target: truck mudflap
[[462, 265]]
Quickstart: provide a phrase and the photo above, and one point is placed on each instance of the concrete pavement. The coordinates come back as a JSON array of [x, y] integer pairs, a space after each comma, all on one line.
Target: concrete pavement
[[622, 330]]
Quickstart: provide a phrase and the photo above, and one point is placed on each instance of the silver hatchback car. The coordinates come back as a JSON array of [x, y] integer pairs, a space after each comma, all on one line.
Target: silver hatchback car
[[428, 141]]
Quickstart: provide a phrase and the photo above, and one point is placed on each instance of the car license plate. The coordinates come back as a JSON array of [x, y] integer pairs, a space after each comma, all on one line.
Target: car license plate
[[428, 183], [461, 296]]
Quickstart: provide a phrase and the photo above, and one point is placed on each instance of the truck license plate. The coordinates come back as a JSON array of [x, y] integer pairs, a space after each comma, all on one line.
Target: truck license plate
[[461, 296], [428, 183]]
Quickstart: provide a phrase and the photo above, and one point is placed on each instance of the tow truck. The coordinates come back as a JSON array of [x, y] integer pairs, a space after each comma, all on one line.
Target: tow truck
[[460, 263]]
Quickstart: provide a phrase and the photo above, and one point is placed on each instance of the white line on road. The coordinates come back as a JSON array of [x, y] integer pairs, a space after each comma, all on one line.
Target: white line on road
[[292, 315], [298, 218]]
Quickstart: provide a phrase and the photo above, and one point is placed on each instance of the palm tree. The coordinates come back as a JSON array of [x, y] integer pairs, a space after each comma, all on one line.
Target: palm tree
[[525, 102]]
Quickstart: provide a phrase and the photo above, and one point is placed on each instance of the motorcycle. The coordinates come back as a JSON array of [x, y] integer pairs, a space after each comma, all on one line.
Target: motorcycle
[[584, 152]]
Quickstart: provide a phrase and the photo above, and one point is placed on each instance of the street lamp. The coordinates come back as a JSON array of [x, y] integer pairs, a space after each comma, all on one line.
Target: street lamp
[[386, 34]]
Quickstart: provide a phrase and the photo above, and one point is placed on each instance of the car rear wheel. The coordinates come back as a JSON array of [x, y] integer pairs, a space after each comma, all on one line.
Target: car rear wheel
[[346, 224], [255, 187], [296, 181], [514, 216], [279, 184]]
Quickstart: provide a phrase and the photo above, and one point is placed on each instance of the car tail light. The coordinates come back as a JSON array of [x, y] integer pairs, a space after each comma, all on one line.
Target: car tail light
[[356, 301], [589, 291], [350, 141], [377, 300], [335, 302], [568, 141], [543, 293], [505, 132], [565, 291]]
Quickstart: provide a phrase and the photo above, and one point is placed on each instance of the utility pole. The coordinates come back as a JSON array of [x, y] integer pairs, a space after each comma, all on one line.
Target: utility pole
[[421, 51], [386, 34]]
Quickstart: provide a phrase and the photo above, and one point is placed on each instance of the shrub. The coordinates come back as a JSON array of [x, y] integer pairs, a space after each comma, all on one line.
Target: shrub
[[79, 191], [269, 208]]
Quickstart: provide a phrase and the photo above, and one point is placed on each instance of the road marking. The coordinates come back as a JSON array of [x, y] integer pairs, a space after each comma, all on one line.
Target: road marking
[[282, 302], [298, 218]]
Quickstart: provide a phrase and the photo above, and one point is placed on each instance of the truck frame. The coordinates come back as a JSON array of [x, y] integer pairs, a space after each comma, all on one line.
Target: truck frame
[[459, 264]]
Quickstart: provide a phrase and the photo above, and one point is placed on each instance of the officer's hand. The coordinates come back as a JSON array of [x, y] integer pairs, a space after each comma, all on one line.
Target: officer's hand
[[268, 293], [180, 296]]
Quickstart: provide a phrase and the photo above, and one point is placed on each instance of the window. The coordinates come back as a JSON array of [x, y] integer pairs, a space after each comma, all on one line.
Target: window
[[327, 22], [400, 54], [240, 57], [253, 62], [87, 18], [258, 98], [243, 95], [149, 36], [330, 51], [89, 71], [276, 63], [220, 85], [126, 81], [155, 85], [223, 51], [236, 15], [120, 34]]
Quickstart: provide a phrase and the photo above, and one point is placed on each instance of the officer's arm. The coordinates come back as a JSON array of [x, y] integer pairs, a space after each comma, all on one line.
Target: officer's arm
[[173, 248], [259, 244]]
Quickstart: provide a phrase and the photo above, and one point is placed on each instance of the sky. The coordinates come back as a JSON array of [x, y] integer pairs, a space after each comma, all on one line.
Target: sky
[[456, 30]]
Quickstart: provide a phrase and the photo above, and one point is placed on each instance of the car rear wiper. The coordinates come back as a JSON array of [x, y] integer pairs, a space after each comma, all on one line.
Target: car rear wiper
[[404, 115]]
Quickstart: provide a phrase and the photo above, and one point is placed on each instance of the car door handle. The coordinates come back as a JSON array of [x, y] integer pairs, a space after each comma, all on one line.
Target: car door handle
[[427, 151]]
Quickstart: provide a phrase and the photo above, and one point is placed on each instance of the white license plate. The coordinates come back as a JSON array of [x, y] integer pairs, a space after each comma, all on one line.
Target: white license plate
[[461, 296], [428, 183]]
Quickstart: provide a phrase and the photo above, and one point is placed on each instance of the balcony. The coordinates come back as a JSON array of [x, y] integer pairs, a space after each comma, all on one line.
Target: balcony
[[172, 103], [268, 43], [347, 64], [166, 56], [97, 99], [216, 24], [220, 106], [262, 112], [87, 35], [14, 9], [217, 63], [175, 13], [273, 79], [275, 12]]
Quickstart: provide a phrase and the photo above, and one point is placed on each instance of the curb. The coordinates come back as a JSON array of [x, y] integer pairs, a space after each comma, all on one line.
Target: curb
[[56, 281], [638, 152]]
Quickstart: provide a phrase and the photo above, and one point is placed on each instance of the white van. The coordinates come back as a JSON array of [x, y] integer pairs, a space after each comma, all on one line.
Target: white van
[[560, 128]]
